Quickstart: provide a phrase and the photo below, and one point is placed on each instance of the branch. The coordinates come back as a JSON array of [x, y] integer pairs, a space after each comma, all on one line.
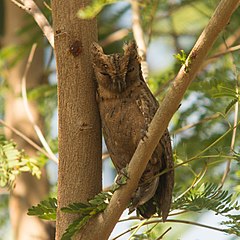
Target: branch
[[116, 36], [27, 107], [228, 166], [31, 8], [105, 222], [27, 139], [139, 37], [182, 129], [173, 221]]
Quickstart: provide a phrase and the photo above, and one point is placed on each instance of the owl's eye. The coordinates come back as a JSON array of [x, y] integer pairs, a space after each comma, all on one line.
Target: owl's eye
[[131, 69]]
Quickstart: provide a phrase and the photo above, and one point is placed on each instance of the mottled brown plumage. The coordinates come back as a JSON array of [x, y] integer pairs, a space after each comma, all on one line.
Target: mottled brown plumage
[[127, 106]]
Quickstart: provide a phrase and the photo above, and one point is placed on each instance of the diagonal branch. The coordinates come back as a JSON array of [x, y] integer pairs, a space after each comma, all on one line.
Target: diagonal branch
[[105, 222], [27, 107], [31, 7]]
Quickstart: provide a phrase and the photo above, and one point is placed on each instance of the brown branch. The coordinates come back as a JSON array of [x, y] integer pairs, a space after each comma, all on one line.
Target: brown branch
[[105, 222], [116, 36], [214, 116], [24, 137], [173, 221], [139, 36], [27, 107], [165, 232], [228, 166], [31, 8]]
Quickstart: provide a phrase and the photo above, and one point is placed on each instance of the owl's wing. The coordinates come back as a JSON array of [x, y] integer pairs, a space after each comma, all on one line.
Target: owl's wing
[[166, 181], [146, 103], [161, 159]]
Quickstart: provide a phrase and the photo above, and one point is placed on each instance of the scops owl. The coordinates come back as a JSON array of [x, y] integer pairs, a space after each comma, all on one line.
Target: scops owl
[[127, 106]]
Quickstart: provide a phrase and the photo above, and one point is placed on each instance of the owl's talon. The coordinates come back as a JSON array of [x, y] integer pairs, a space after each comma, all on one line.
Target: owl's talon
[[144, 133], [122, 177]]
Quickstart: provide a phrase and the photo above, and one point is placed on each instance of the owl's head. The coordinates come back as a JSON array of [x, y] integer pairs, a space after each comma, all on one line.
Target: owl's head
[[116, 72]]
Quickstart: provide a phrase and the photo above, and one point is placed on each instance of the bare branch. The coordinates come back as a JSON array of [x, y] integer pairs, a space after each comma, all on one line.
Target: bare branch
[[24, 137], [27, 108], [236, 111], [139, 36], [161, 237], [214, 116], [106, 221], [31, 8], [116, 36]]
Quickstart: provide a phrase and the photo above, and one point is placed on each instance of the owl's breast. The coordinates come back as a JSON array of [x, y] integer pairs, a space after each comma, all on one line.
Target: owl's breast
[[122, 124]]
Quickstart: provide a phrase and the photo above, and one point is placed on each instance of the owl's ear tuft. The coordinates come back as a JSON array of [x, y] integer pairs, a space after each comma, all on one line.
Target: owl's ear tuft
[[96, 49], [96, 53], [130, 47], [130, 50]]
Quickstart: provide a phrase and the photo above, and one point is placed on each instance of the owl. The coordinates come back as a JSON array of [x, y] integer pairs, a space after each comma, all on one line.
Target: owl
[[127, 107]]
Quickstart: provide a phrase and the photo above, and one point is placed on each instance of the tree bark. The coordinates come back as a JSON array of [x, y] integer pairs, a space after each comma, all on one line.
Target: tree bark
[[79, 175], [29, 190]]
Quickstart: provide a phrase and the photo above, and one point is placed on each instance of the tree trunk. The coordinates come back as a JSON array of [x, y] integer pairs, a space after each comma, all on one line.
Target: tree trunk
[[29, 190], [79, 175]]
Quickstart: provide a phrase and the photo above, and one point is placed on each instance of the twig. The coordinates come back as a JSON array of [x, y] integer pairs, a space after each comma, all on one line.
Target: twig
[[105, 156], [220, 53], [152, 16], [173, 221], [31, 8], [139, 37], [227, 169], [214, 116], [138, 227], [106, 221], [195, 224], [197, 179], [24, 137], [116, 36], [161, 237], [27, 108]]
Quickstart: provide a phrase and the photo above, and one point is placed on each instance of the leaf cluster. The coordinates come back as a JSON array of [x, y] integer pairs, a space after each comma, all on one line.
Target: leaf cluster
[[13, 162], [209, 196], [46, 209]]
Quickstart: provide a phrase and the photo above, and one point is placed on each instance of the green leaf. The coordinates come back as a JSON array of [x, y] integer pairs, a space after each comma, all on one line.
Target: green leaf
[[75, 227], [181, 57], [13, 162], [45, 209], [230, 105], [93, 9]]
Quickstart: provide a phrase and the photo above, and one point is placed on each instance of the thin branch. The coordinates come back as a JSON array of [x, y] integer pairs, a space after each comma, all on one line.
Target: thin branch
[[161, 237], [227, 169], [105, 156], [106, 221], [214, 116], [137, 30], [116, 36], [138, 227], [152, 18], [31, 8], [173, 221], [197, 179], [139, 37], [195, 224], [221, 53], [27, 108], [24, 137]]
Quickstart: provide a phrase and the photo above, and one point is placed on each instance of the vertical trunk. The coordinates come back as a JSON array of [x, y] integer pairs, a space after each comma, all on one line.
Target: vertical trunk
[[79, 176], [28, 191]]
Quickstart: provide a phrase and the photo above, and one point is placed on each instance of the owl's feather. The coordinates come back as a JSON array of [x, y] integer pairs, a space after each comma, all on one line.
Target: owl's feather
[[127, 107]]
